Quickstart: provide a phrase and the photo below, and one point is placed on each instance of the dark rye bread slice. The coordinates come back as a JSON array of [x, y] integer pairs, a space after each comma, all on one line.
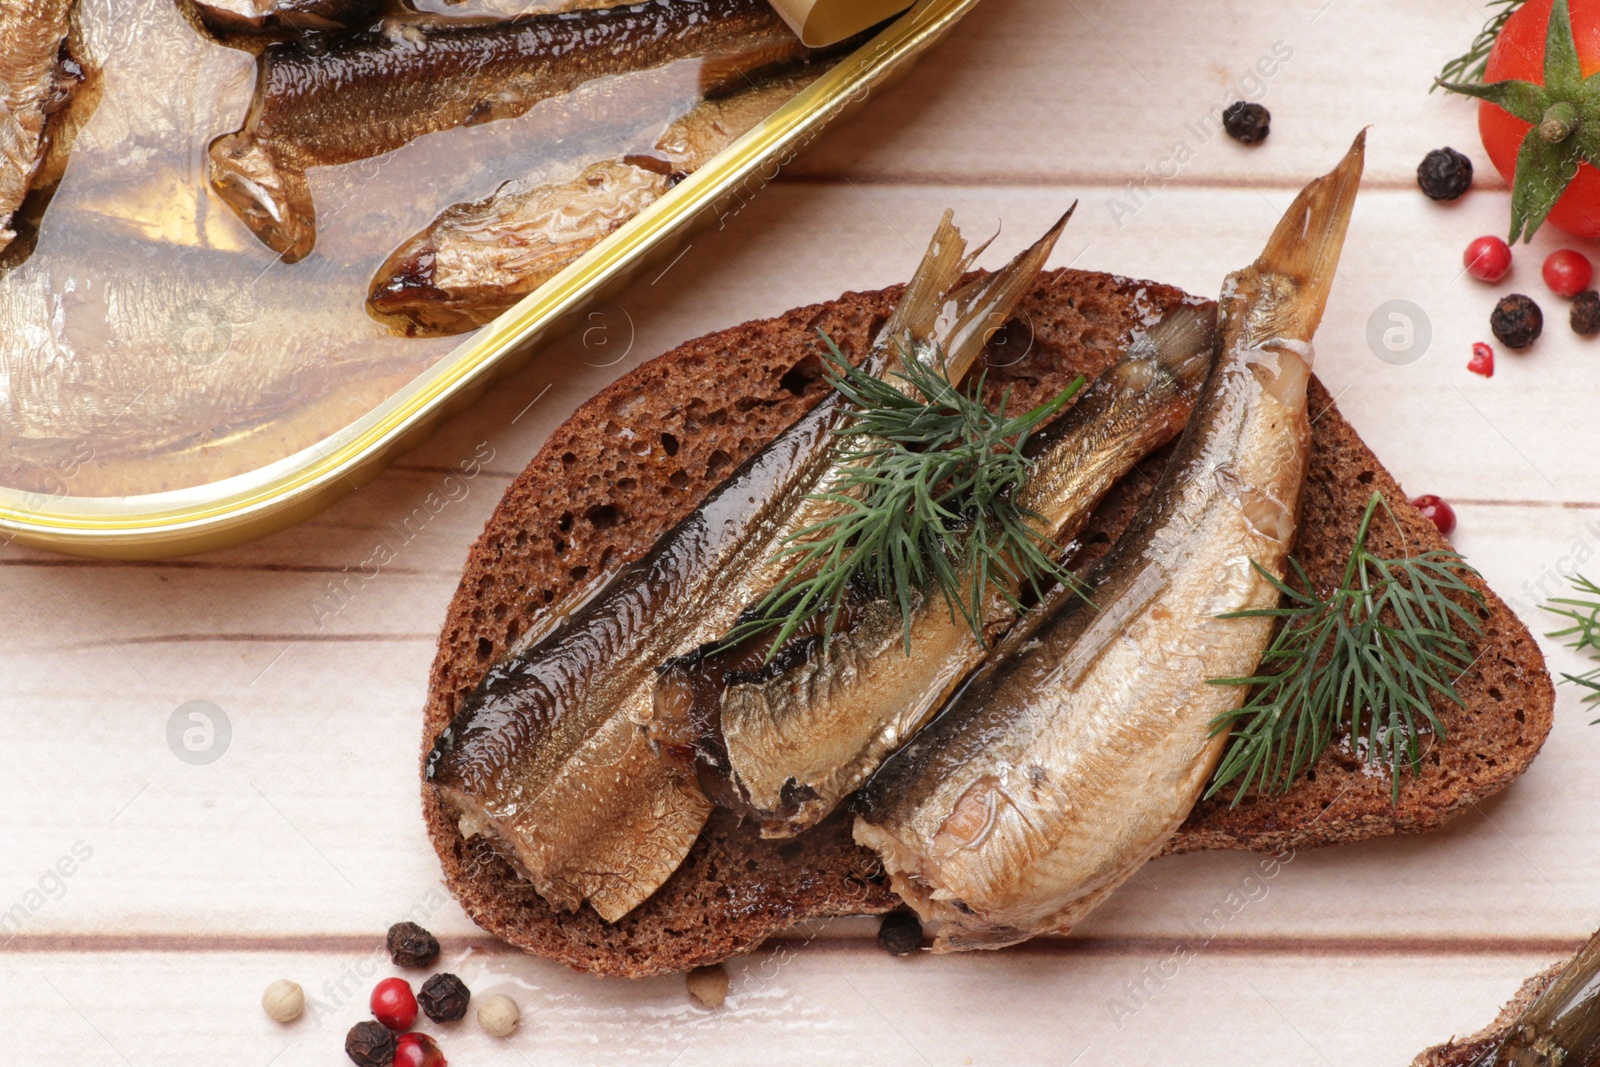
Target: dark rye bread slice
[[1464, 1051], [637, 458]]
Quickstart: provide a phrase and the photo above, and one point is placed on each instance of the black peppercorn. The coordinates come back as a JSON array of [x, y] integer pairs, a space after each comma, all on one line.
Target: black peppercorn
[[370, 1044], [1586, 313], [1517, 321], [1247, 123], [444, 998], [1444, 174], [900, 933], [411, 946]]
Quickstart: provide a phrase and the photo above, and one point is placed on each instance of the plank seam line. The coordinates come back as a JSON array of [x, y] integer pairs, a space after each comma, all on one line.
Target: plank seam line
[[71, 562], [293, 638], [1132, 946], [1110, 183], [68, 562]]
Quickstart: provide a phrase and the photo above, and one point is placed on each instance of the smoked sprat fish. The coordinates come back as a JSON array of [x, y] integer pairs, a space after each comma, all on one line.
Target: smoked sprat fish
[[477, 259], [1067, 762], [38, 76], [377, 92], [784, 735], [546, 757], [1562, 1025]]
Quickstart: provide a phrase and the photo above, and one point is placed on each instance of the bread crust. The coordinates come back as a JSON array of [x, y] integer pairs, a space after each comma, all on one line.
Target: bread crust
[[1464, 1051], [640, 456]]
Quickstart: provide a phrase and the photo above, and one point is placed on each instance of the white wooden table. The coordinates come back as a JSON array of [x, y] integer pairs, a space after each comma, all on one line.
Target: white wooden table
[[193, 886]]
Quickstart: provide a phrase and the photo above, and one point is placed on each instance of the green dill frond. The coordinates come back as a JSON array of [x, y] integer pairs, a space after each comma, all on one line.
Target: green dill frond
[[1584, 633], [1588, 681], [1366, 660], [1469, 66], [1584, 611], [927, 502]]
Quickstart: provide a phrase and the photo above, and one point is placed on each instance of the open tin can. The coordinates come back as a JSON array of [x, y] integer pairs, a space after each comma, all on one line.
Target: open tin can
[[248, 480]]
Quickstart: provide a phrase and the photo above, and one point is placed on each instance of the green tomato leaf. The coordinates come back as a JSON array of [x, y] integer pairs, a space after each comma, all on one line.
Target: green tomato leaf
[[1470, 67], [1586, 139], [1561, 74], [1544, 171], [1525, 100]]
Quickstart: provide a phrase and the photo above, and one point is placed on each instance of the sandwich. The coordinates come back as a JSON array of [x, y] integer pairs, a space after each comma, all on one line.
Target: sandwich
[[681, 702]]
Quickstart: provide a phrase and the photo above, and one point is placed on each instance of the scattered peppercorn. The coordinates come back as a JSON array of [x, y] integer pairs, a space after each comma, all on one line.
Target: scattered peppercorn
[[283, 1001], [418, 1050], [411, 946], [1482, 361], [1487, 259], [444, 998], [1586, 313], [1567, 272], [499, 1014], [708, 985], [1247, 123], [1444, 174], [900, 933], [370, 1044], [1517, 321], [393, 1003], [1434, 508]]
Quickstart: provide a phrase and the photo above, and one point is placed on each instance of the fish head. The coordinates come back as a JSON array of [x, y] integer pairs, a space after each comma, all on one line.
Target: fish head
[[273, 199]]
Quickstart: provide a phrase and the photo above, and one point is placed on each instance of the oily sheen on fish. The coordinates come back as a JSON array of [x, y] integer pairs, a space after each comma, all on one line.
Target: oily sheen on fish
[[38, 76], [784, 736], [477, 259], [1561, 1026], [1073, 756], [546, 757], [375, 93], [280, 20]]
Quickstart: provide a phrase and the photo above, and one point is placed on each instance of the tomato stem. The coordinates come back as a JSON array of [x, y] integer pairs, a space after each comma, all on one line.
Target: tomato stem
[[1559, 120]]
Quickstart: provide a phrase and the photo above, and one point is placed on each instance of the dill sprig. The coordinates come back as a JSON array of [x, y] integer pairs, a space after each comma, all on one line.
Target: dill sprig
[[1584, 633], [928, 499], [1469, 66], [1366, 660]]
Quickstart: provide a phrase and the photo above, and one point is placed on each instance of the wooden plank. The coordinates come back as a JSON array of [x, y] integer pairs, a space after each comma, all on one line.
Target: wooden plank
[[308, 822], [194, 884], [794, 1003], [1083, 93]]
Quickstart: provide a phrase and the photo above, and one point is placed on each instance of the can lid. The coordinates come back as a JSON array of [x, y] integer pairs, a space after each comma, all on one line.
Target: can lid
[[825, 22]]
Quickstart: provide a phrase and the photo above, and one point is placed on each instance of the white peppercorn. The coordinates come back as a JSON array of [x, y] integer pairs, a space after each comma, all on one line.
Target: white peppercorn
[[283, 1001], [708, 985], [499, 1014]]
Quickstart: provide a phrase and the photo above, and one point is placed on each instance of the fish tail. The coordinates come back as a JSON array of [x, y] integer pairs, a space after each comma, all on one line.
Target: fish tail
[[1184, 342], [1305, 246], [941, 268], [981, 307]]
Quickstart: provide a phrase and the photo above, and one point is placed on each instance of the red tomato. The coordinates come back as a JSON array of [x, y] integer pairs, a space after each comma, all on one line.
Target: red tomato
[[1518, 54]]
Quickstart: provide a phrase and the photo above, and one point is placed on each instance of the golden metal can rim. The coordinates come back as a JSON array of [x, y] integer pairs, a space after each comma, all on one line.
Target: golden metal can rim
[[240, 508]]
